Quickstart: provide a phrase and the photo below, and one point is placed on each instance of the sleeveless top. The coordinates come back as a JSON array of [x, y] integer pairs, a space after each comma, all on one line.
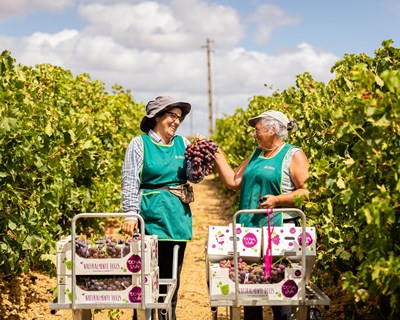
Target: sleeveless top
[[262, 176], [164, 214]]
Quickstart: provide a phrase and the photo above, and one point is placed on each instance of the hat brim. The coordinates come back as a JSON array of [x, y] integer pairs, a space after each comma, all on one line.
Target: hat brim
[[149, 122], [252, 121]]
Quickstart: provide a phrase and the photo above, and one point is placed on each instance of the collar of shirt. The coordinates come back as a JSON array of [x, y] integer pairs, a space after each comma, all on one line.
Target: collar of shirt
[[154, 136]]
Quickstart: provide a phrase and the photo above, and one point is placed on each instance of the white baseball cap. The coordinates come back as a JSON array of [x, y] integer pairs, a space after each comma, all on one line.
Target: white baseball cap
[[277, 115]]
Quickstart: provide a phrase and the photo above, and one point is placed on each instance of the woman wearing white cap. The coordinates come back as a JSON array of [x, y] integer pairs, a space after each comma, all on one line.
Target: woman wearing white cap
[[275, 173], [154, 162]]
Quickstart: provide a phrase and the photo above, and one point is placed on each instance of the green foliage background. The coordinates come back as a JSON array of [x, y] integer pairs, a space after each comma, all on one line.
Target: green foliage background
[[350, 130], [62, 144], [63, 138]]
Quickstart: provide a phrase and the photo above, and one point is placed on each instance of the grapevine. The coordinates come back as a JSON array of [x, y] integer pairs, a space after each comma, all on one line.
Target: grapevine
[[200, 155]]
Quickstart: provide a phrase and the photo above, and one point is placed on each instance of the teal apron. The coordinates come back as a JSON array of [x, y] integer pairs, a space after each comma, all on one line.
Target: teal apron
[[262, 176], [164, 214]]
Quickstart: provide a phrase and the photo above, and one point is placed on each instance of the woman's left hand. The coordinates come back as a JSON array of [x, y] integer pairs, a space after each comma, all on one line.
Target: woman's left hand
[[268, 201]]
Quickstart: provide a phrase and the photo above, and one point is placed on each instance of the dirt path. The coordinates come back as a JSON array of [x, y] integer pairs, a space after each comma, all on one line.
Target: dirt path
[[209, 208]]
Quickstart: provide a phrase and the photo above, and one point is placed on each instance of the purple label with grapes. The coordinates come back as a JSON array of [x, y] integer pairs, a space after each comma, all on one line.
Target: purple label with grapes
[[134, 263], [135, 295], [309, 239], [289, 289], [249, 240]]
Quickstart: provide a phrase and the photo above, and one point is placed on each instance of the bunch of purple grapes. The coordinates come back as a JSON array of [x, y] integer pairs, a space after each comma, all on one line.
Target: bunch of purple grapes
[[253, 273], [103, 283], [103, 247], [200, 155]]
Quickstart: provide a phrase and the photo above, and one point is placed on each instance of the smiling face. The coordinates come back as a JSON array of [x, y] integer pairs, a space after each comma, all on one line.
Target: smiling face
[[168, 123], [262, 134], [265, 135]]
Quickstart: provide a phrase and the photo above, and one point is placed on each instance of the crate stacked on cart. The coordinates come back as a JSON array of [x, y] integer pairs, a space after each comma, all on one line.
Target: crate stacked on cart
[[107, 270], [280, 284]]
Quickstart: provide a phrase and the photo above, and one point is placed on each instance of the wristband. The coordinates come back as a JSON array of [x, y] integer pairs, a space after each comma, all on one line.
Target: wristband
[[131, 218]]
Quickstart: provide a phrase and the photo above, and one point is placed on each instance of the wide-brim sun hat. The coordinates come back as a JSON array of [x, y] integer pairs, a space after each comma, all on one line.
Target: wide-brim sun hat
[[162, 104], [274, 114]]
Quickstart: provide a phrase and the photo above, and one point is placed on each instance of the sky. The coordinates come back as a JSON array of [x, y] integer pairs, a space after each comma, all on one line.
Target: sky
[[155, 48]]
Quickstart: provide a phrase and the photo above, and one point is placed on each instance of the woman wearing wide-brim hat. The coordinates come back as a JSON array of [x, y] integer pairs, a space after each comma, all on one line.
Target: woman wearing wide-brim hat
[[154, 162]]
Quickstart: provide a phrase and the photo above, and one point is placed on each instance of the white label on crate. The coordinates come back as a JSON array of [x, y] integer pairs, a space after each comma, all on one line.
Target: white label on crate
[[257, 291], [100, 266], [103, 297]]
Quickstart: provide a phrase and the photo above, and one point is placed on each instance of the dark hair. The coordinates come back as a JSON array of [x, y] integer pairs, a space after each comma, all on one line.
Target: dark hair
[[151, 123]]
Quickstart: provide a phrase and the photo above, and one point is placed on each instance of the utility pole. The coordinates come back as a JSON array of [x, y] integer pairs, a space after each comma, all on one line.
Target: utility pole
[[210, 106]]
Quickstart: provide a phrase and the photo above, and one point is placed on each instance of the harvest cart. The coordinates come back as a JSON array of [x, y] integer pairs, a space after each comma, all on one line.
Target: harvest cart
[[307, 298], [144, 308]]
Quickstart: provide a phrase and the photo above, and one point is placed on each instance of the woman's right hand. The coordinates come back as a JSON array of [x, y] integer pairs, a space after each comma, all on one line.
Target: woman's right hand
[[129, 226]]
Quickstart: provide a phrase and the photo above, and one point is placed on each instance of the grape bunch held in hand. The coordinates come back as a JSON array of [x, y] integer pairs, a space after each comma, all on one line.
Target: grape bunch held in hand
[[200, 155]]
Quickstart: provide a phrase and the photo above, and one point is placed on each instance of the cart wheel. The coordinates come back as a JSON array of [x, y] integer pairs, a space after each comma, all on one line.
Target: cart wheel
[[214, 313], [314, 314]]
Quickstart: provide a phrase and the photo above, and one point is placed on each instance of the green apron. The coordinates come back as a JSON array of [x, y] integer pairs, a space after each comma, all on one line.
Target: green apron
[[164, 214], [262, 176]]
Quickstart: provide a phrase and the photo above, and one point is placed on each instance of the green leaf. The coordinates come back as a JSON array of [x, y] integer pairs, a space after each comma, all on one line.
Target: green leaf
[[49, 129], [21, 75], [379, 81], [87, 144], [340, 183], [11, 225], [348, 82], [28, 243], [8, 124], [48, 257]]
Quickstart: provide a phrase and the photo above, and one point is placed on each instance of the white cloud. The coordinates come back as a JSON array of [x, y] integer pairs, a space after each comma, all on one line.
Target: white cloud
[[268, 17], [151, 25], [247, 70], [42, 47], [20, 7]]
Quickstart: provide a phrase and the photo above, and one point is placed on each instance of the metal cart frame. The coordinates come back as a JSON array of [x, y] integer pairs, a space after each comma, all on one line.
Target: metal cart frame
[[144, 310], [309, 293]]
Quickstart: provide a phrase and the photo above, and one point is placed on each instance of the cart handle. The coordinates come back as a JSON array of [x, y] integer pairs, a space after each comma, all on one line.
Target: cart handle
[[303, 246], [103, 215]]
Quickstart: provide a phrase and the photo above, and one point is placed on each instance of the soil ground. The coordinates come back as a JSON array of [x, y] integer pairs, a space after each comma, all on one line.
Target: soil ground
[[27, 297]]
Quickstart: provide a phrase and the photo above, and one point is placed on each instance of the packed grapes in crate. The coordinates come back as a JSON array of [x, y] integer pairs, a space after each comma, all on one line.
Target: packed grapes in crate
[[200, 155], [103, 283], [254, 273], [99, 247]]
